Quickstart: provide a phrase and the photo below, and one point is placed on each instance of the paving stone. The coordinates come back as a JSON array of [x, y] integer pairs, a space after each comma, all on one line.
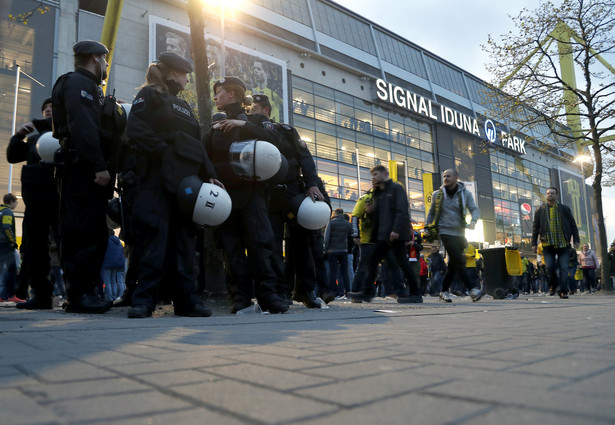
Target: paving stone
[[193, 416], [83, 390], [178, 377], [354, 392], [66, 371], [278, 361], [250, 401], [18, 409]]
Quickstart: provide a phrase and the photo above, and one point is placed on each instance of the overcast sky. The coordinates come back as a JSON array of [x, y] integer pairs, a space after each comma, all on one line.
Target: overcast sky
[[455, 31]]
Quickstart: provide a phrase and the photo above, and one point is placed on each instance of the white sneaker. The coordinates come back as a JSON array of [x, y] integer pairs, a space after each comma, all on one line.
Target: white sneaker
[[446, 297], [476, 294]]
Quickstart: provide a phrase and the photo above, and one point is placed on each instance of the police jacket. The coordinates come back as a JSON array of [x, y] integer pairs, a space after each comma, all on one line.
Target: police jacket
[[296, 152], [391, 213], [37, 179], [218, 144], [159, 121], [541, 224], [7, 236], [77, 114]]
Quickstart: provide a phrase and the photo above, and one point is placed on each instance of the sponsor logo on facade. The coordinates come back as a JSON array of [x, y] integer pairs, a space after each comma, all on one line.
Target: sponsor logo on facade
[[420, 105]]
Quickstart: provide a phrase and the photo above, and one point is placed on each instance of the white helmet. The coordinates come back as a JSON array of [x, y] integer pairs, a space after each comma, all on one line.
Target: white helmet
[[47, 146], [206, 204], [313, 215], [255, 159]]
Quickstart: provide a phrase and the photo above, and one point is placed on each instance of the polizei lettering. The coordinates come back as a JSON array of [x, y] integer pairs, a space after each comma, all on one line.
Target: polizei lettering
[[181, 109], [422, 106]]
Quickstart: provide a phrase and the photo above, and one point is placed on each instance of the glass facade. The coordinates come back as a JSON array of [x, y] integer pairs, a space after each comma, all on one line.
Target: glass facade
[[515, 181], [341, 130], [297, 10]]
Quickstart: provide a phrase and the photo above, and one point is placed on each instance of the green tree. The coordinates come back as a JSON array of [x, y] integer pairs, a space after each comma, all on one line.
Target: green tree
[[199, 57], [535, 68]]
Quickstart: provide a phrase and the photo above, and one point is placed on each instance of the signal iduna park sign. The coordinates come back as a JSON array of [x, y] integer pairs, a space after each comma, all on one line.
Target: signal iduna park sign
[[413, 102]]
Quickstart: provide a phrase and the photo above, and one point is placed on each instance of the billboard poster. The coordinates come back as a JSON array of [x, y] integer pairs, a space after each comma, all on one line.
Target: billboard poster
[[573, 195], [526, 214], [261, 73]]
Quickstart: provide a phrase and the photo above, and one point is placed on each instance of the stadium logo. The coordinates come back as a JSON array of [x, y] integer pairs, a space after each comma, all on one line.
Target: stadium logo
[[490, 131]]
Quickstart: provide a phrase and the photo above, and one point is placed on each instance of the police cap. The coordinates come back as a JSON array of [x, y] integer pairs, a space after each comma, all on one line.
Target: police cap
[[226, 81], [46, 101], [174, 61], [261, 99], [89, 47]]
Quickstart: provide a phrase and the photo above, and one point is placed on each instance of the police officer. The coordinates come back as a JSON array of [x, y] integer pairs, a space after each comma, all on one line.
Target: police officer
[[161, 127], [301, 175], [85, 181], [248, 227], [40, 197]]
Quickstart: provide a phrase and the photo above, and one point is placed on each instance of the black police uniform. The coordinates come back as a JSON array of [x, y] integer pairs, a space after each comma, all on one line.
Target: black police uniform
[[77, 114], [166, 240], [301, 175], [41, 199], [248, 227]]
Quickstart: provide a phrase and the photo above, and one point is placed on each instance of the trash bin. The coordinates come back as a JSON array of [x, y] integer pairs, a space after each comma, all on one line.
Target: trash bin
[[498, 283]]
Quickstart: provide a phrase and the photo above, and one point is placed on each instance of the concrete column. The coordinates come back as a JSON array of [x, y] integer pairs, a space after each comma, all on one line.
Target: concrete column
[[67, 24]]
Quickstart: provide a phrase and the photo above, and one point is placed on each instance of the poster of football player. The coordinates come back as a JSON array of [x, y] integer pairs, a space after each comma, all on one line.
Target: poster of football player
[[261, 73]]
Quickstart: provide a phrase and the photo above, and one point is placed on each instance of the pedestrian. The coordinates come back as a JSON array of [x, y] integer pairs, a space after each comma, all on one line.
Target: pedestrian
[[437, 268], [160, 122], [113, 273], [573, 264], [84, 176], [423, 275], [8, 247], [336, 247], [555, 225], [40, 197], [391, 231], [447, 213], [612, 261], [247, 235], [300, 180], [589, 263]]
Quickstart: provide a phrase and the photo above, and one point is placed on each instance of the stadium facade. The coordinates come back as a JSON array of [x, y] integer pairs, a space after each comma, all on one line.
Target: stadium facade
[[358, 94]]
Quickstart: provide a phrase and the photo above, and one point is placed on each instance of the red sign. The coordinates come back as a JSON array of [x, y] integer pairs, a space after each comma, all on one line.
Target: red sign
[[526, 208]]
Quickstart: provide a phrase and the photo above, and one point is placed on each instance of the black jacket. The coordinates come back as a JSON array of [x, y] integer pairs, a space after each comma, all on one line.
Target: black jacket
[[336, 235], [391, 213], [541, 224]]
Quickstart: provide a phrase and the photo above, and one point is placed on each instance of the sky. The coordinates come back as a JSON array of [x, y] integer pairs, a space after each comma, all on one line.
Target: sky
[[455, 31]]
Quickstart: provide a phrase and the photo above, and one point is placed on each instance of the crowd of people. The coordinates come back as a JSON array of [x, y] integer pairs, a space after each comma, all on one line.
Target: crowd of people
[[271, 254]]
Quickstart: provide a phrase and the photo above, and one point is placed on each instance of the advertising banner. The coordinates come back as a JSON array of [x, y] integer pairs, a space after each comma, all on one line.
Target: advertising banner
[[526, 215], [261, 73]]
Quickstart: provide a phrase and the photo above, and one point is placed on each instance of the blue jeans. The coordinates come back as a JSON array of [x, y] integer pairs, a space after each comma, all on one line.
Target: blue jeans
[[340, 258], [8, 276], [556, 260]]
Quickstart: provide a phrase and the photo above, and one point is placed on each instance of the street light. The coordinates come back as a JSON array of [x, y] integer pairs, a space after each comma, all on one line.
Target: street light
[[228, 5]]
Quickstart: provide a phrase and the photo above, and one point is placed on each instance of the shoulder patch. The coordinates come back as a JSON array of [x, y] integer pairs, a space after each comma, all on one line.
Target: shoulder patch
[[302, 143], [138, 100], [286, 127], [86, 95], [268, 125]]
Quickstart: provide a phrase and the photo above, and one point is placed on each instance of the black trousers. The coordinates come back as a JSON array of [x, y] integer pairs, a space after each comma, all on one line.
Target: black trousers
[[398, 249], [248, 229], [39, 222], [455, 246], [165, 249], [83, 230]]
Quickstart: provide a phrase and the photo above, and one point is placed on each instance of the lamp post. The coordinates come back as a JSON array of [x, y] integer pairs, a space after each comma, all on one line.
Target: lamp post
[[582, 159]]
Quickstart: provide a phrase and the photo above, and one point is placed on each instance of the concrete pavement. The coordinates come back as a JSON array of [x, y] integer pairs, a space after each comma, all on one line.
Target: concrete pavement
[[537, 360]]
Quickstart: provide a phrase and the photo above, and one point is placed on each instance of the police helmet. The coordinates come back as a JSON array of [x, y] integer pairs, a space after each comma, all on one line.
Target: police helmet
[[47, 146], [204, 203], [255, 159], [280, 176], [309, 214]]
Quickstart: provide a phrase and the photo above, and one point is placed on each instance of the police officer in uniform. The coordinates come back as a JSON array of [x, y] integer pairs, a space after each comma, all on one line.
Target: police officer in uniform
[[85, 182], [40, 196], [248, 227], [162, 128], [301, 177]]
